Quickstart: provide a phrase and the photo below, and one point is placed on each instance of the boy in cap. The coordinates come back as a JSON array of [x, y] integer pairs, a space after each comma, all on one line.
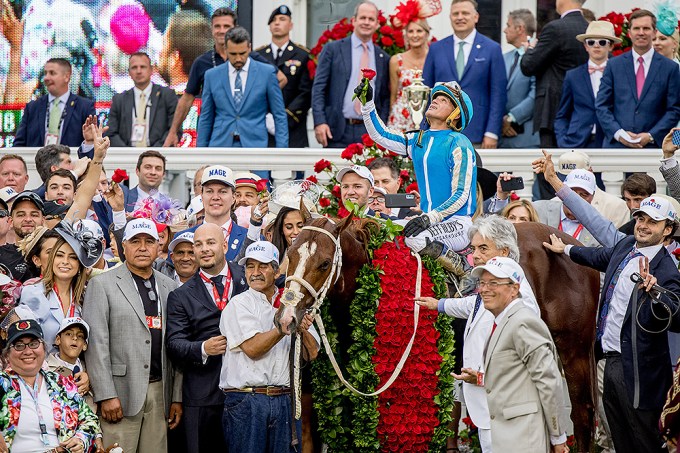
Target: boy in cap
[[445, 164]]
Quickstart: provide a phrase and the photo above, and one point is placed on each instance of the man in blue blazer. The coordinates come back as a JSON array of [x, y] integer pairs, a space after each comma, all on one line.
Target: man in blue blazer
[[576, 124], [337, 119], [638, 103], [518, 131], [236, 98], [194, 342], [57, 117], [631, 328], [476, 63]]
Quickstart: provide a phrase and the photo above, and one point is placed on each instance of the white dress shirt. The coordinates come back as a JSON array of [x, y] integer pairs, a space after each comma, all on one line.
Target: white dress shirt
[[209, 288], [569, 12], [646, 62], [147, 92], [276, 48], [595, 79], [244, 76], [569, 226]]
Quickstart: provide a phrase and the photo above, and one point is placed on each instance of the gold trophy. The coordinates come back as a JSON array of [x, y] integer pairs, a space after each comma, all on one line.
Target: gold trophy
[[417, 95]]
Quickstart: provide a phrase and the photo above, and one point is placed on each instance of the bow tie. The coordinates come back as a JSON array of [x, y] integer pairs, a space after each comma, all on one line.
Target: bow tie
[[592, 69]]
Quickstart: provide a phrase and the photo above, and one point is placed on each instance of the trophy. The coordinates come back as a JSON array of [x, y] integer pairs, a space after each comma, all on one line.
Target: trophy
[[417, 95]]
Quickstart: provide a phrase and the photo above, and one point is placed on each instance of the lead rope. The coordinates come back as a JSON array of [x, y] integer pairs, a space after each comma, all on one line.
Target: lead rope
[[404, 356]]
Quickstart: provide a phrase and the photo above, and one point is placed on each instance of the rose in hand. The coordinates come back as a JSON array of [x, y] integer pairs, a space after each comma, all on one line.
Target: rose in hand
[[364, 91]]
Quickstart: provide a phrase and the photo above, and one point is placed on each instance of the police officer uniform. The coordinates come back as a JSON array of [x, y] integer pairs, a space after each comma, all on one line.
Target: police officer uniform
[[291, 59]]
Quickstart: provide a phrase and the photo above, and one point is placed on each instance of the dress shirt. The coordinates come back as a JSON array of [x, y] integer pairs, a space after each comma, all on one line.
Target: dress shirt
[[646, 61], [569, 226], [669, 163], [595, 79], [63, 99], [357, 49], [467, 48], [569, 12], [147, 92], [276, 48], [209, 288], [244, 76]]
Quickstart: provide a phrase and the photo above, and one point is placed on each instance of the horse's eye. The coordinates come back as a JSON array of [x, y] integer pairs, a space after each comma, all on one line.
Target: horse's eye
[[325, 265]]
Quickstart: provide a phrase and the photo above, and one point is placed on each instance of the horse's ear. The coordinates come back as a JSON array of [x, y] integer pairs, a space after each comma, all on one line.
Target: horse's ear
[[342, 225], [304, 212]]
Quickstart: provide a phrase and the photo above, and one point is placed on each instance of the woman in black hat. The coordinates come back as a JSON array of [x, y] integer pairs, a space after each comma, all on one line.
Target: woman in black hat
[[59, 295]]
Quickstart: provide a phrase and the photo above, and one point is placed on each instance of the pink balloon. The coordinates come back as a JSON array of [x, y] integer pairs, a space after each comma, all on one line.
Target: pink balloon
[[130, 28]]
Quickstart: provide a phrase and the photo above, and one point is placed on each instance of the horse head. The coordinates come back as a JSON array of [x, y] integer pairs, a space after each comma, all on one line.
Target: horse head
[[315, 266]]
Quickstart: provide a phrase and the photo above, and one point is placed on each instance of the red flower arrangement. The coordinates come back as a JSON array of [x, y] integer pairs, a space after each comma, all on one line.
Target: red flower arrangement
[[413, 187], [367, 140], [621, 23]]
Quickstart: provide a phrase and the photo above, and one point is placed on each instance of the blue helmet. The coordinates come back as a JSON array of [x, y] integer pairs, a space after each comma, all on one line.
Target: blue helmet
[[460, 100]]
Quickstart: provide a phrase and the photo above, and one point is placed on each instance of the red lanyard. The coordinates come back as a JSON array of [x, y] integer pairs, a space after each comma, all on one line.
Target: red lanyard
[[576, 233], [72, 305], [220, 301], [227, 231]]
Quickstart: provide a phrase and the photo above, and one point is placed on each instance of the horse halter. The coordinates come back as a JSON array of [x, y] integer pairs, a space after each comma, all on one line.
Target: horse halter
[[292, 298]]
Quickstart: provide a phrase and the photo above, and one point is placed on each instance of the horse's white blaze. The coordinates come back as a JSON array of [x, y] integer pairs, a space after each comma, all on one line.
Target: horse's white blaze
[[305, 251]]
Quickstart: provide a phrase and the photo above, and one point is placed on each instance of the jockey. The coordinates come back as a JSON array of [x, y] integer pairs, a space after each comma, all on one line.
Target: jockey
[[446, 170]]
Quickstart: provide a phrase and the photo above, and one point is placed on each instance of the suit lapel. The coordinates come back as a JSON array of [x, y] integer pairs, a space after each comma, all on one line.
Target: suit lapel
[[238, 278], [200, 293], [452, 60], [630, 70], [42, 116], [587, 83], [474, 53], [129, 289], [346, 50], [253, 74], [155, 95], [225, 77], [70, 107], [379, 55], [493, 340], [55, 306], [651, 76]]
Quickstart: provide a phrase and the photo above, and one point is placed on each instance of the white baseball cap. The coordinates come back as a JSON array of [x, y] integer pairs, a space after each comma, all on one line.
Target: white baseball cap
[[140, 226], [658, 208], [93, 227], [67, 323], [262, 251], [187, 236], [218, 173], [195, 206], [583, 179], [572, 160], [379, 190], [360, 170], [502, 267]]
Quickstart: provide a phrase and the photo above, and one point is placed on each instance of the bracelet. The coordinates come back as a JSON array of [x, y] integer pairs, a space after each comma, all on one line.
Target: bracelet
[[97, 163]]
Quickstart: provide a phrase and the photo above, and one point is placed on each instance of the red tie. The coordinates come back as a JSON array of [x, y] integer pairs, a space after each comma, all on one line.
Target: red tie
[[493, 329], [640, 76]]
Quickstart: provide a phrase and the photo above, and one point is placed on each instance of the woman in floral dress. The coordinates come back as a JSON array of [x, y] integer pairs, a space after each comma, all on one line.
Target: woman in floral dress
[[402, 71]]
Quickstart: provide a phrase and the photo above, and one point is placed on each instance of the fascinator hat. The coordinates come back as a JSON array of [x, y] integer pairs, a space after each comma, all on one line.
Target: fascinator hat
[[667, 18], [288, 195], [83, 241]]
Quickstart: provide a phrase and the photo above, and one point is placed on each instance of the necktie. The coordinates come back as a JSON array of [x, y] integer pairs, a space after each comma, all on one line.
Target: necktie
[[141, 115], [278, 55], [514, 64], [55, 116], [488, 340], [602, 320], [460, 60], [238, 90], [592, 69], [363, 63], [640, 76], [217, 280]]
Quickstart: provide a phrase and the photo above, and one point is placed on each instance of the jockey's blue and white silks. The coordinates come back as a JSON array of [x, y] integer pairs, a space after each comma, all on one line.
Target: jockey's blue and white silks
[[444, 163]]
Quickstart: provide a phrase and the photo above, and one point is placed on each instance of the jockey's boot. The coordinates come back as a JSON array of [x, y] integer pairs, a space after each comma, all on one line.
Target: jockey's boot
[[452, 262]]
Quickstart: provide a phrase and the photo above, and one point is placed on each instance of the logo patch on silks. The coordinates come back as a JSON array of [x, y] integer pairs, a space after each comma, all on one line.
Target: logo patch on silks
[[24, 325]]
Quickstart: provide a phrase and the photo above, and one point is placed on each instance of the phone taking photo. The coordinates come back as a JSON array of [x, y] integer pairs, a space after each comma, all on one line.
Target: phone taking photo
[[514, 183], [676, 137]]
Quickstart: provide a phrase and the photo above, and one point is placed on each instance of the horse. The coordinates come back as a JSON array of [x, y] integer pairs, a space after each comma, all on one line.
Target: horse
[[313, 273], [567, 294]]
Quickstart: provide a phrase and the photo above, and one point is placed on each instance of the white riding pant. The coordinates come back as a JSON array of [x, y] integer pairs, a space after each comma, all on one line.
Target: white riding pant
[[452, 232]]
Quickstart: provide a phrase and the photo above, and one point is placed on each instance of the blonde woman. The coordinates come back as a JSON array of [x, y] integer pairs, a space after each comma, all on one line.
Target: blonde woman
[[520, 211]]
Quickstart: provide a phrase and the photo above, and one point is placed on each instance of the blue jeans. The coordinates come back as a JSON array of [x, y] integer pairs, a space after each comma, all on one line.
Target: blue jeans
[[255, 423]]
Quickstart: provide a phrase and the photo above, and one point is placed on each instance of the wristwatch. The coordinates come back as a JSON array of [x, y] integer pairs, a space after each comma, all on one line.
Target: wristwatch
[[651, 138]]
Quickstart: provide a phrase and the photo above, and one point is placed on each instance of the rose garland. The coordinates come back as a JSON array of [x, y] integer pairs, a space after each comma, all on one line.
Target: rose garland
[[380, 332]]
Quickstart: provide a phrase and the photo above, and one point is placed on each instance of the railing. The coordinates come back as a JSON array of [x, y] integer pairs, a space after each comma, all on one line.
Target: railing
[[282, 162]]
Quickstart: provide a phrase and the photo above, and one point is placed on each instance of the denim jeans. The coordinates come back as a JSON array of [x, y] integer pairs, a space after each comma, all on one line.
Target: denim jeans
[[255, 423]]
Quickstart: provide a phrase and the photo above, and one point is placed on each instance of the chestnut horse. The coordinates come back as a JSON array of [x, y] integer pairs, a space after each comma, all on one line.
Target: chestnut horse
[[566, 293]]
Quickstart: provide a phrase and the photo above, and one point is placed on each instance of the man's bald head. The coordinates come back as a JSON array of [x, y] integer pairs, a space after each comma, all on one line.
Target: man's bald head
[[210, 248]]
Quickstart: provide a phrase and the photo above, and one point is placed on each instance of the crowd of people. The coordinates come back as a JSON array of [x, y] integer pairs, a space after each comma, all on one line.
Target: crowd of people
[[145, 326]]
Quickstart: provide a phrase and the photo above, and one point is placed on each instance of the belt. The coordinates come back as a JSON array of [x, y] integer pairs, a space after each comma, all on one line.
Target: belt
[[269, 390], [354, 121], [609, 355]]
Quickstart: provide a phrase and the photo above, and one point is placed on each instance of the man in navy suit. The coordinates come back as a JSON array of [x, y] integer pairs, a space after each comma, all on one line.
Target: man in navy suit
[[639, 97], [194, 341], [518, 131], [57, 117], [150, 171], [576, 124], [337, 119], [476, 63], [631, 329], [236, 98], [217, 192]]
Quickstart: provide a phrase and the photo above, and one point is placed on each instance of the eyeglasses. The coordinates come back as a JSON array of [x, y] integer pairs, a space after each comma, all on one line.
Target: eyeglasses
[[378, 199], [152, 293], [20, 346], [492, 285], [3, 213], [600, 42]]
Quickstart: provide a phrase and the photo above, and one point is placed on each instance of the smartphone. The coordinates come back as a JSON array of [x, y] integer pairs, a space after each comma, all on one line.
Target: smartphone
[[18, 8], [400, 200], [676, 137], [515, 183]]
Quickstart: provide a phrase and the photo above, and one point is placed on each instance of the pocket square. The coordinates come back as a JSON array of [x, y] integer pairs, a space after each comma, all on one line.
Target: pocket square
[[477, 60]]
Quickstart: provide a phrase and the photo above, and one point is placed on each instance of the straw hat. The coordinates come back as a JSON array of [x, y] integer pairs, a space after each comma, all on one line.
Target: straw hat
[[599, 29]]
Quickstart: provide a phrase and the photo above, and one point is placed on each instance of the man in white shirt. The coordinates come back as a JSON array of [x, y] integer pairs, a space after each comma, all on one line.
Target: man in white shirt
[[255, 373]]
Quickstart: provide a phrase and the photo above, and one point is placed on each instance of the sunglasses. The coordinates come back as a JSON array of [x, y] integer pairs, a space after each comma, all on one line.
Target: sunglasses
[[600, 42], [152, 293], [19, 346], [3, 213], [378, 199]]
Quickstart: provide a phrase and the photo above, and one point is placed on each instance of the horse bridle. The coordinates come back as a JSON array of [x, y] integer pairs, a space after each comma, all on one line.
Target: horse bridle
[[291, 297]]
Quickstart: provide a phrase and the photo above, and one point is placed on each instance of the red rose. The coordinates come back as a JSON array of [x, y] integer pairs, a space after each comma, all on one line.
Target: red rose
[[367, 140], [369, 160], [261, 185], [386, 41], [413, 187], [336, 191], [313, 179], [347, 153], [324, 202], [322, 165], [342, 212], [368, 73], [386, 30], [119, 176], [676, 252], [357, 148], [311, 67], [404, 174]]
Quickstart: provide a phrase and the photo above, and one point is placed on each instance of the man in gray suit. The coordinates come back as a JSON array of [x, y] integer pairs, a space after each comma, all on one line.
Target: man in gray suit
[[523, 381], [518, 130], [132, 379]]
